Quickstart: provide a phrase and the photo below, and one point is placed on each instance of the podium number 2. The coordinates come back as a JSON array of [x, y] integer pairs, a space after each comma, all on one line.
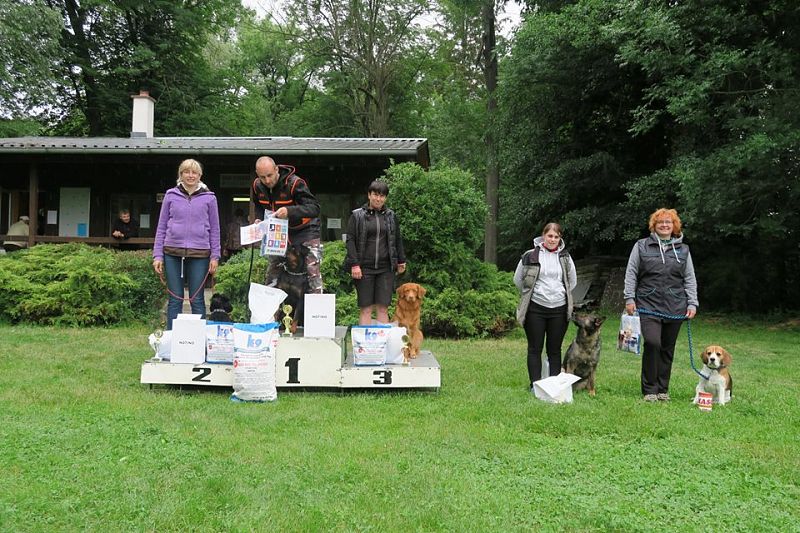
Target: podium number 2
[[384, 377], [293, 363], [203, 373]]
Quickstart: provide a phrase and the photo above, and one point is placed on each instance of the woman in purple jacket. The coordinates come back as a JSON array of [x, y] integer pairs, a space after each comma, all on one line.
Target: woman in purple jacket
[[187, 245]]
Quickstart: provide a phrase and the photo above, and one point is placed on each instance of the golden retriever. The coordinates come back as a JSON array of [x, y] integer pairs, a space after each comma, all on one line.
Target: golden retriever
[[406, 314]]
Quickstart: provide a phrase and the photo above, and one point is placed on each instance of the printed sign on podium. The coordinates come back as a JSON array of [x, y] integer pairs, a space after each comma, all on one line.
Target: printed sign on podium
[[319, 315]]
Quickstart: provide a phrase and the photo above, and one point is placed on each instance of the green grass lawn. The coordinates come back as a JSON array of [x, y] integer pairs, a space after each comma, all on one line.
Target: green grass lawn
[[85, 446]]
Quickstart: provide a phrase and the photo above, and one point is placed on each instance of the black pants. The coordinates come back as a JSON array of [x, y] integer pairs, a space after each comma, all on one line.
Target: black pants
[[659, 350], [541, 322]]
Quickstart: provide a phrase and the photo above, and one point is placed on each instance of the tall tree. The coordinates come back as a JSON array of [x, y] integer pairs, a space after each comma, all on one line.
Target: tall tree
[[366, 46], [489, 54], [115, 47], [26, 77]]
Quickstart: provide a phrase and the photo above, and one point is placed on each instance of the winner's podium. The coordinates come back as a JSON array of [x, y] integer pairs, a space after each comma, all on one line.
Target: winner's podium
[[307, 362]]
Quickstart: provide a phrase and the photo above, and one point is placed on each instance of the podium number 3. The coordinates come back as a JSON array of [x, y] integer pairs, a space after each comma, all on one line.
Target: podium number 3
[[384, 377]]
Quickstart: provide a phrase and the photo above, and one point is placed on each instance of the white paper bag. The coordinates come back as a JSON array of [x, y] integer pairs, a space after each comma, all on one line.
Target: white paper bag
[[319, 315], [263, 302], [555, 389], [188, 341], [394, 349]]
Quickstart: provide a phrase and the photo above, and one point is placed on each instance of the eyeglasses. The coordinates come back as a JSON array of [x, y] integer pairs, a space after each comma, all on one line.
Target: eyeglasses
[[664, 222]]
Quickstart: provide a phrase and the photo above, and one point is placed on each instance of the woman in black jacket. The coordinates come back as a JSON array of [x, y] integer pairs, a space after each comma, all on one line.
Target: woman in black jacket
[[374, 253]]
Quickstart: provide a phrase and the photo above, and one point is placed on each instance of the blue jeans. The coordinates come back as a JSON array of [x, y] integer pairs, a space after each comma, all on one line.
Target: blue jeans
[[179, 271]]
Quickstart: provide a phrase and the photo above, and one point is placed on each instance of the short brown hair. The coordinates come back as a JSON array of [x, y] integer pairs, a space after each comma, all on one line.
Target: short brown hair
[[664, 212]]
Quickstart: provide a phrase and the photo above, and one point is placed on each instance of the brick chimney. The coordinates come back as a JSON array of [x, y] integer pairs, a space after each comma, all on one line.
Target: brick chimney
[[143, 111]]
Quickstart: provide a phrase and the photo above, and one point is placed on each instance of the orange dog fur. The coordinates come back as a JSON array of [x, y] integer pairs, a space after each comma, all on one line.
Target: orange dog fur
[[406, 313]]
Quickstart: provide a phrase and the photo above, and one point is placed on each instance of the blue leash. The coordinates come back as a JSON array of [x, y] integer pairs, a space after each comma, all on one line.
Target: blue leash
[[688, 331]]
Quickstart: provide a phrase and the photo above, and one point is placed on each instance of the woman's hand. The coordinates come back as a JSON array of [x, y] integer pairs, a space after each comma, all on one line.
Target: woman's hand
[[355, 272], [630, 308], [401, 267], [212, 266], [690, 313], [158, 266]]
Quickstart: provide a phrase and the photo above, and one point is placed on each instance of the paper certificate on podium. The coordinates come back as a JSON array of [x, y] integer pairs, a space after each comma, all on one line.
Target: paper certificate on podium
[[319, 315]]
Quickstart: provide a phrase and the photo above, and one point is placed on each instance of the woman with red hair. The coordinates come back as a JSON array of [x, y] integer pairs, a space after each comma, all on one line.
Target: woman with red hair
[[660, 279]]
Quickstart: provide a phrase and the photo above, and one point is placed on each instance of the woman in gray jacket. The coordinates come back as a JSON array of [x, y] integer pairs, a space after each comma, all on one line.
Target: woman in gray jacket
[[545, 277], [660, 278]]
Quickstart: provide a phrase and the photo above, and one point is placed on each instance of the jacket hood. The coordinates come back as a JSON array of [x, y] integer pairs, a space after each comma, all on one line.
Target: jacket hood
[[201, 189], [675, 240], [538, 242]]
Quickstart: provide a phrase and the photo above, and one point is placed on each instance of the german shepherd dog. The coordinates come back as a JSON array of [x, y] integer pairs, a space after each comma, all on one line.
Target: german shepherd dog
[[293, 280], [584, 353]]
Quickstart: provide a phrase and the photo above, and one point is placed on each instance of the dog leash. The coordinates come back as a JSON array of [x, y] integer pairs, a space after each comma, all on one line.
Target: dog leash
[[192, 297], [642, 311]]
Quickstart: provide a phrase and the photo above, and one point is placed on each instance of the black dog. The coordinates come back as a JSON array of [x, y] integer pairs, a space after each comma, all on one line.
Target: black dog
[[220, 308], [293, 280], [584, 353]]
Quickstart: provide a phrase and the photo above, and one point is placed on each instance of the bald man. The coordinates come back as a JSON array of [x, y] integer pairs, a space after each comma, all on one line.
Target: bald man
[[278, 189]]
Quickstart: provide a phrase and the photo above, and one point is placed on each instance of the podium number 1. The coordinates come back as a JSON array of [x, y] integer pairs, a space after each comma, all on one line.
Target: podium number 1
[[293, 363]]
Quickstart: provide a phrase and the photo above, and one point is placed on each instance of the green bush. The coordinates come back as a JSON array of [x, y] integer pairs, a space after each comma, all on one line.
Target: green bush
[[441, 216], [78, 285]]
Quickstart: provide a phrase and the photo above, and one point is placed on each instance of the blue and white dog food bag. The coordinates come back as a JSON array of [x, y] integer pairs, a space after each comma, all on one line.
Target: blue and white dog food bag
[[370, 344], [254, 362], [219, 342]]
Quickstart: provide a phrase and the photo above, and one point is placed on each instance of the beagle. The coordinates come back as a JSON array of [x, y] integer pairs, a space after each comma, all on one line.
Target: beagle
[[716, 361]]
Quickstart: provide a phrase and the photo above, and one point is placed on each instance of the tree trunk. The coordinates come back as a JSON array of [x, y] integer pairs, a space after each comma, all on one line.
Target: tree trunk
[[492, 172]]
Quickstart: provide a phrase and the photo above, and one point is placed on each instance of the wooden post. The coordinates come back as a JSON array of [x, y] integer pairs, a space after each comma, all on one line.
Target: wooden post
[[33, 204]]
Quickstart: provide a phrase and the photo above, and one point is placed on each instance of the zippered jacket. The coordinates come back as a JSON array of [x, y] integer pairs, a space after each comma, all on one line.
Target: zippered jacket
[[527, 273], [660, 277], [357, 238], [188, 222], [291, 192]]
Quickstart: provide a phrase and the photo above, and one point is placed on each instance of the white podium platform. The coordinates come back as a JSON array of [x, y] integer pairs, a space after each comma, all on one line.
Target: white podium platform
[[307, 362]]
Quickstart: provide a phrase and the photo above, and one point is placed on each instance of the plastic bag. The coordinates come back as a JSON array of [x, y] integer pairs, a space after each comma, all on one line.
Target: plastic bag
[[630, 334]]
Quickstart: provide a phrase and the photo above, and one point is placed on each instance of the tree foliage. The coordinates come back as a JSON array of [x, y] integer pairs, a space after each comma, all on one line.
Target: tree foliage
[[613, 109], [369, 49]]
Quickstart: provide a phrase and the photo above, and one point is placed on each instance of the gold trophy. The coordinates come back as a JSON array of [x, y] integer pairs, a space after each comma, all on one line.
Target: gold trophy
[[287, 320], [157, 335], [406, 350]]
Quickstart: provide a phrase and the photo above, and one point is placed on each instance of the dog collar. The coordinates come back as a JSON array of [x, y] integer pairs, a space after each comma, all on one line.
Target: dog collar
[[218, 310], [292, 273]]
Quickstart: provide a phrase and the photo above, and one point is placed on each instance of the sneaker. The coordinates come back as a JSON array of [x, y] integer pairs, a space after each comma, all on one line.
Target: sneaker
[[650, 398], [663, 396]]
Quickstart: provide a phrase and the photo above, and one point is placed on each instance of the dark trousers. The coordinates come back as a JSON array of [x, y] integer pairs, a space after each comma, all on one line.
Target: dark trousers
[[659, 350], [540, 323]]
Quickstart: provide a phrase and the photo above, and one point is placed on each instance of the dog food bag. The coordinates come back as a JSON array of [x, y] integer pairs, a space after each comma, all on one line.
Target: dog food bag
[[219, 342], [254, 348], [370, 344], [630, 334]]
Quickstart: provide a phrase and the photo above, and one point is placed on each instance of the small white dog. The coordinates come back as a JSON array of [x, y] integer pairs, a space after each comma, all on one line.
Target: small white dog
[[716, 361]]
